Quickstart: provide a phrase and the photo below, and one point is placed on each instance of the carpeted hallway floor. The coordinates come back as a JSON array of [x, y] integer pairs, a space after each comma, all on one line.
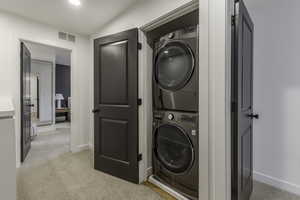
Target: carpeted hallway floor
[[71, 177], [48, 145], [263, 191], [51, 172]]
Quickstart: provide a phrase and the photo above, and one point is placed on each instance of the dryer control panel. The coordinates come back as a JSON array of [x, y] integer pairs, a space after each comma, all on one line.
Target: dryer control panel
[[188, 119]]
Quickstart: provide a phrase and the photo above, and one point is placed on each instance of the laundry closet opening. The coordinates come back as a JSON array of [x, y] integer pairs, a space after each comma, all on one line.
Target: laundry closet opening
[[146, 94], [174, 150]]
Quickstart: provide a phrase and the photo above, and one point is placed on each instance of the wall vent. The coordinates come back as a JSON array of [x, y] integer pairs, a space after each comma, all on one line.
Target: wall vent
[[62, 35], [66, 36], [71, 38]]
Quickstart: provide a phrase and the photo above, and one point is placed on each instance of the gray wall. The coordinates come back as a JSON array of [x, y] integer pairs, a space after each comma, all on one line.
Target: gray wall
[[277, 92], [63, 80]]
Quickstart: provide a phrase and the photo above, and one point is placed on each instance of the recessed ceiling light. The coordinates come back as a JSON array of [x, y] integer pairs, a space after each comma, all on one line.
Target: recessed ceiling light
[[75, 2]]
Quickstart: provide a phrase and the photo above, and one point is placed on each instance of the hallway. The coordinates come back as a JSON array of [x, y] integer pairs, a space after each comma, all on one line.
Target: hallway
[[72, 177], [48, 145], [52, 172]]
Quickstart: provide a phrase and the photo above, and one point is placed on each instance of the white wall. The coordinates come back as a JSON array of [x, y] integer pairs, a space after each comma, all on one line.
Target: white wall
[[140, 14], [277, 92], [44, 70], [15, 28], [41, 52]]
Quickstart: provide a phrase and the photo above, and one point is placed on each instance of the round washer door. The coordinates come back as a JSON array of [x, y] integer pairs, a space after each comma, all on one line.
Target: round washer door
[[173, 148], [174, 65]]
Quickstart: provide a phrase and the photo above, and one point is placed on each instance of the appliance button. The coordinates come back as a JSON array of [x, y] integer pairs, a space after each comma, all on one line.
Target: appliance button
[[170, 116], [194, 132]]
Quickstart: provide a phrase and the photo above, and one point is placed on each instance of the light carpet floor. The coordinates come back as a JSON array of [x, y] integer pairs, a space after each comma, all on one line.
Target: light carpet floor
[[263, 191], [47, 146], [51, 172], [71, 177]]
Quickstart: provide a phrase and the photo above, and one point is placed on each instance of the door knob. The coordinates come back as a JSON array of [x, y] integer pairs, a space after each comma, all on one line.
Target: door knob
[[256, 116], [96, 110]]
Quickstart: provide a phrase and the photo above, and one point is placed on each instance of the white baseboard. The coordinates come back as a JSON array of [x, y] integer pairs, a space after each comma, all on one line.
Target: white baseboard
[[149, 171], [18, 164], [278, 183], [76, 149]]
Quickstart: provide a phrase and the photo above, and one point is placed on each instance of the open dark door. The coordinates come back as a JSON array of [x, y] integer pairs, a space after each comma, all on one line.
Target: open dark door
[[116, 105], [242, 103], [25, 102]]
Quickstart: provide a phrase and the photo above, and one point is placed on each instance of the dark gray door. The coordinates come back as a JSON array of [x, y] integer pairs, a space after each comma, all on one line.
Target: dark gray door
[[242, 104], [116, 105], [25, 101]]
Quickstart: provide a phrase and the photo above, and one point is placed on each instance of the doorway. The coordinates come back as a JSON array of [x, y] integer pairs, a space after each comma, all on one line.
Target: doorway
[[46, 102], [242, 104]]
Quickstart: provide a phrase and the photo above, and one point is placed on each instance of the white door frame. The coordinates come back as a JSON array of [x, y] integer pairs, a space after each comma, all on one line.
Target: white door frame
[[214, 95], [74, 129], [215, 55], [145, 92]]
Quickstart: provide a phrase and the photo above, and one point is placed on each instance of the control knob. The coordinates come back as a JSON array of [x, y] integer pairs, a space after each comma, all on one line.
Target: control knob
[[170, 116]]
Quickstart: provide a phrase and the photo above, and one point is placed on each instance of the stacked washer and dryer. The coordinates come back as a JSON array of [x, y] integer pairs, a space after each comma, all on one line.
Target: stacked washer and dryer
[[175, 111]]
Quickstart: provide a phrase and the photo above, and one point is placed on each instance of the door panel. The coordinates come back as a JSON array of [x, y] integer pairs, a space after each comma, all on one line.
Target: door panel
[[246, 67], [114, 68], [114, 139], [246, 154], [116, 109], [25, 101], [242, 104]]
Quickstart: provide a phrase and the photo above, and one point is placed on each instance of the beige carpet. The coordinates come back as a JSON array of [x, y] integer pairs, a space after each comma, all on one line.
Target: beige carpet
[[47, 146], [49, 173], [263, 191], [71, 177]]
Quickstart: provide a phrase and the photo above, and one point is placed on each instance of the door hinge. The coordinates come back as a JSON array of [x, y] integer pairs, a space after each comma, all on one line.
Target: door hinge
[[233, 107], [139, 102], [140, 157], [139, 46], [233, 20]]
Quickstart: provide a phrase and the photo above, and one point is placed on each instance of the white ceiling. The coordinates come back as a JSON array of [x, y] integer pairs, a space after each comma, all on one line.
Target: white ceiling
[[86, 19], [47, 53]]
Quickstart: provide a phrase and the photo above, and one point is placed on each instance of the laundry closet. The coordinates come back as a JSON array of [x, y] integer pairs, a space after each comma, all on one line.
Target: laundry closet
[[146, 94], [175, 105]]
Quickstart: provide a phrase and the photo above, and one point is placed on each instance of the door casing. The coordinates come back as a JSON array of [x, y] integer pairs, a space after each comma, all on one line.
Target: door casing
[[75, 113], [145, 92]]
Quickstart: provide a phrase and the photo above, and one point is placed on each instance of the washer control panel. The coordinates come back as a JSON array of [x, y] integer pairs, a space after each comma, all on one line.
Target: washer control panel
[[189, 119]]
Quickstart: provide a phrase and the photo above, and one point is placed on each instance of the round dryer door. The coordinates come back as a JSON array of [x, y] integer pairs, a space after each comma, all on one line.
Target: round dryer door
[[173, 148], [174, 65]]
